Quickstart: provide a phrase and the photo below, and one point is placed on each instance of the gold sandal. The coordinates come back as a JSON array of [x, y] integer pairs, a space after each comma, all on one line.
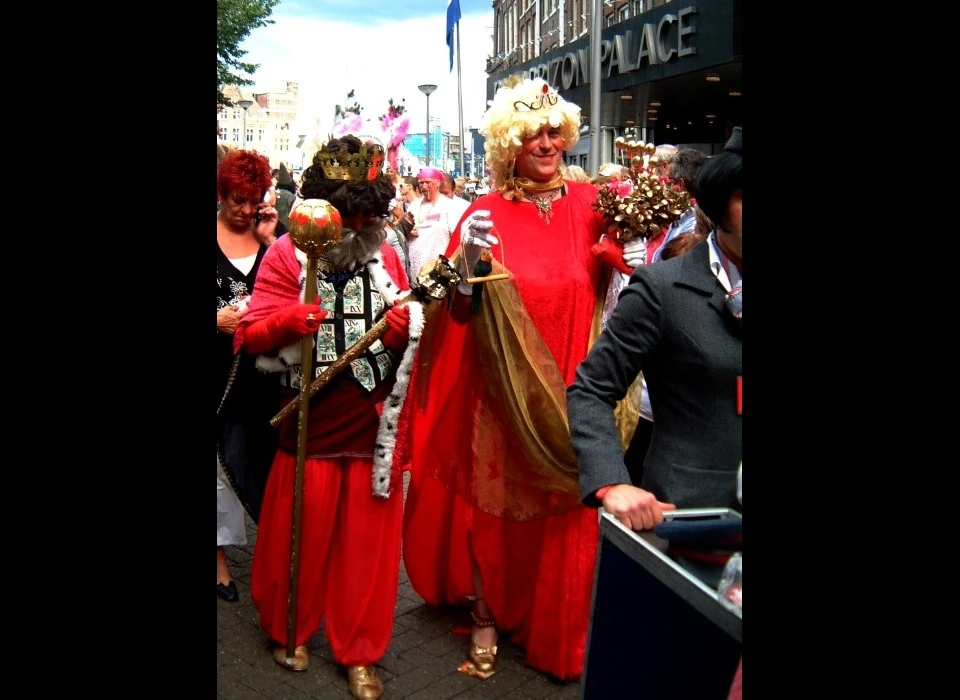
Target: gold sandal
[[483, 659]]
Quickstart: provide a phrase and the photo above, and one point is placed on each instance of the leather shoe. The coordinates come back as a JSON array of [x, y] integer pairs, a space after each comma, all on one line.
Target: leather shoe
[[299, 662], [229, 592], [363, 683]]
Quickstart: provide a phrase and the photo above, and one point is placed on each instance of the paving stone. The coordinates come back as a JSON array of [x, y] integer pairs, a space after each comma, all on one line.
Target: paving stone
[[231, 688], [450, 686], [424, 659], [410, 682], [421, 661]]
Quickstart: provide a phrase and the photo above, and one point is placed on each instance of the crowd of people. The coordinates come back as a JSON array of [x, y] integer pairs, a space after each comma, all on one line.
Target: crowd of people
[[500, 402]]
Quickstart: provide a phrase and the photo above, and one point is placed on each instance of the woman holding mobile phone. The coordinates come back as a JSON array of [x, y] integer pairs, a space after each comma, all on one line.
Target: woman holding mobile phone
[[267, 212], [247, 224]]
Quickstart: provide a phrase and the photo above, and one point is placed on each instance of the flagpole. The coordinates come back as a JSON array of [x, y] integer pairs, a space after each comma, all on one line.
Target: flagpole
[[463, 172], [596, 29]]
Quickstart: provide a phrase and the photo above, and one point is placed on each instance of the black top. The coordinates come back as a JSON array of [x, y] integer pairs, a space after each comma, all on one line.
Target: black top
[[232, 286], [246, 442]]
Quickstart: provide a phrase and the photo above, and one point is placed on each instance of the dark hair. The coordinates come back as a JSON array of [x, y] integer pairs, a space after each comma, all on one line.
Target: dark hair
[[285, 180], [350, 197], [720, 177], [680, 245], [686, 164]]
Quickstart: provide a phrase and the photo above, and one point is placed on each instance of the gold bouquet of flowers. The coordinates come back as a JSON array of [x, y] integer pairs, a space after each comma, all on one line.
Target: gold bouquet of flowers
[[642, 203]]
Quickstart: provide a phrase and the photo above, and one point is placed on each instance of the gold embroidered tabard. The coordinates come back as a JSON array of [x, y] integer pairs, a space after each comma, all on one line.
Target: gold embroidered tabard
[[350, 314]]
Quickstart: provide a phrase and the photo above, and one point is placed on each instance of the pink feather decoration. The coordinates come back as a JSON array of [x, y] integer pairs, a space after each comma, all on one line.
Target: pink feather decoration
[[398, 129], [352, 124]]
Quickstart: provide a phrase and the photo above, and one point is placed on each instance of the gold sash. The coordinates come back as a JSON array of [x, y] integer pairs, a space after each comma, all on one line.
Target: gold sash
[[526, 411]]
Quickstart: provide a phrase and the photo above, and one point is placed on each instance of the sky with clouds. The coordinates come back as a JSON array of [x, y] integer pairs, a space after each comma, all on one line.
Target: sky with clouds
[[381, 50]]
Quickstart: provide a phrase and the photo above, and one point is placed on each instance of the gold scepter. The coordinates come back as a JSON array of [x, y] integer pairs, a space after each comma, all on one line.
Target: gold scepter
[[315, 225], [433, 283]]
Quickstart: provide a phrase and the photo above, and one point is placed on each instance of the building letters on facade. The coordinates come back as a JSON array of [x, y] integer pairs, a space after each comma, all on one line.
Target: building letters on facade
[[668, 40]]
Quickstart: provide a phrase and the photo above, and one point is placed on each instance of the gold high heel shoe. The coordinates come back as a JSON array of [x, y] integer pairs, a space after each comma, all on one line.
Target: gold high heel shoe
[[299, 662], [363, 683], [483, 659]]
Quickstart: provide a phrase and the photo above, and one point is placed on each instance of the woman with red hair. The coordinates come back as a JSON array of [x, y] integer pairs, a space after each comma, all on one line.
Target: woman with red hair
[[246, 224]]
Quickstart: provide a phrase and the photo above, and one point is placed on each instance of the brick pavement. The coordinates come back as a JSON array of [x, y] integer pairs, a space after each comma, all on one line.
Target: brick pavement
[[421, 662]]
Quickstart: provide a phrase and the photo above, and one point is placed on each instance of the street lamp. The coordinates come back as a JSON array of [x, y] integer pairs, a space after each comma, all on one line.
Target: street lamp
[[426, 90], [246, 104]]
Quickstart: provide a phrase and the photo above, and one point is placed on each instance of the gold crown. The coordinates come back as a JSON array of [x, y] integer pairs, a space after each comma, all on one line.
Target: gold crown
[[343, 165]]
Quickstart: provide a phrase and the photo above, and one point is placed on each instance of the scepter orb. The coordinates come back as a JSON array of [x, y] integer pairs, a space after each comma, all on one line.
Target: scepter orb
[[315, 225]]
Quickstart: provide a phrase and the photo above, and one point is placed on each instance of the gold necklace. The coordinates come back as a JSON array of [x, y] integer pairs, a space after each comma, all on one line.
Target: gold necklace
[[544, 203], [528, 185], [541, 194]]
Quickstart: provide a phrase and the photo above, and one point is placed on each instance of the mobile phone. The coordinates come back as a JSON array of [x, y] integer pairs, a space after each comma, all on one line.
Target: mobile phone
[[704, 527], [692, 514], [266, 200]]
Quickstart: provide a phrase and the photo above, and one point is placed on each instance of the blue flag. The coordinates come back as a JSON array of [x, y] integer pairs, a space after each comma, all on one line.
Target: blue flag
[[453, 16]]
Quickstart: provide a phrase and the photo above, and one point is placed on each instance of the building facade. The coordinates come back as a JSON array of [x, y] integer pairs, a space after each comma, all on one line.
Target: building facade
[[444, 153], [269, 123], [670, 70]]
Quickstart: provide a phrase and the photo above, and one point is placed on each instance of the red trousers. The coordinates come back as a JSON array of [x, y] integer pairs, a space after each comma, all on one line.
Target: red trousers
[[349, 561]]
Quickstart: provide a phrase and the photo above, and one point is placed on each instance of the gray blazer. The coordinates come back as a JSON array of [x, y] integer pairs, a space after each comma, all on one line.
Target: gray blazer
[[671, 323]]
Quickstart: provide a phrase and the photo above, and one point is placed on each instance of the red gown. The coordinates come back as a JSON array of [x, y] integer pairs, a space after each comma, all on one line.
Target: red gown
[[537, 571]]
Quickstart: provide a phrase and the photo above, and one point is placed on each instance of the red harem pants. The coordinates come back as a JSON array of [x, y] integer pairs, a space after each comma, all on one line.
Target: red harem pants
[[349, 561]]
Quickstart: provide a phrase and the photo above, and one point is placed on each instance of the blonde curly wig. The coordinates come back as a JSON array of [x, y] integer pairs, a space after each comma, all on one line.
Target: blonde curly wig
[[518, 110]]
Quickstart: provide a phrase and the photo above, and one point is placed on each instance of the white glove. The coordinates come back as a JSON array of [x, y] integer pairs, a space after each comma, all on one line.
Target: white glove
[[635, 252], [474, 237]]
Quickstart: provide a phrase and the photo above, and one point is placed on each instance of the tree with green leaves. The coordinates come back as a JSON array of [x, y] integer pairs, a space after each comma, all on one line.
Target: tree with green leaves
[[235, 20]]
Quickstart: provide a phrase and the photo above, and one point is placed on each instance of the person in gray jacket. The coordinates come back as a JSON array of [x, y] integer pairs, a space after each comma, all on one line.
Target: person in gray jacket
[[680, 323]]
